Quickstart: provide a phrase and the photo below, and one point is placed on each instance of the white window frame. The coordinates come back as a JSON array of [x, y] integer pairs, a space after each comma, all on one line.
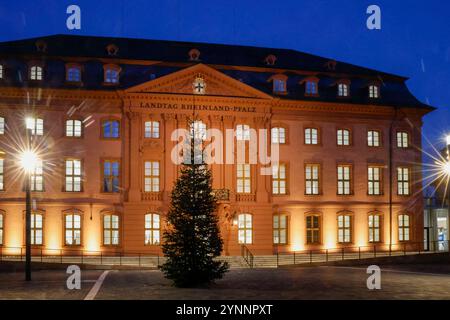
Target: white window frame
[[311, 136], [344, 179], [343, 90], [345, 228], [2, 125], [373, 138], [72, 229], [37, 177], [2, 174], [74, 128], [278, 135], [375, 227], [404, 227], [151, 129], [152, 226], [73, 175], [343, 137], [36, 73], [243, 132], [374, 91], [280, 229], [36, 125], [403, 181], [37, 229], [312, 179], [374, 181], [111, 229], [279, 179], [245, 228], [402, 139], [243, 178], [152, 172]]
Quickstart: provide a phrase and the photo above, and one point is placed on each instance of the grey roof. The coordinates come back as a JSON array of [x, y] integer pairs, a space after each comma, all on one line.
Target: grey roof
[[394, 91]]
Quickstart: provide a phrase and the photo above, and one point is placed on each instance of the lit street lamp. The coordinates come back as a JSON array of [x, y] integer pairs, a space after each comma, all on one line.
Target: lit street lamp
[[28, 160], [447, 171]]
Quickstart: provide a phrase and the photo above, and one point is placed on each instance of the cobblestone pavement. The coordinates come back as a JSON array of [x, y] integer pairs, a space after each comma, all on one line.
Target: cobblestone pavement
[[294, 283], [405, 282], [45, 285]]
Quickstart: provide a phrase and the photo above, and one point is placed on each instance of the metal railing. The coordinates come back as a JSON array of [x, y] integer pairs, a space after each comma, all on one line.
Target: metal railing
[[360, 252], [247, 255], [78, 256]]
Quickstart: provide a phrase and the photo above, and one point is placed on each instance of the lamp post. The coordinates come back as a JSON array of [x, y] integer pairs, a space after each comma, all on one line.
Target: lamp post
[[28, 161]]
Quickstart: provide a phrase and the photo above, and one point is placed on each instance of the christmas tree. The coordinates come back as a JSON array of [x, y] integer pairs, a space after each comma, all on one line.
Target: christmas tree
[[192, 239]]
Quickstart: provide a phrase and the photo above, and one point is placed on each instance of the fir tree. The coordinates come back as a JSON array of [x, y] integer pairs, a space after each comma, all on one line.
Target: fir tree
[[192, 239]]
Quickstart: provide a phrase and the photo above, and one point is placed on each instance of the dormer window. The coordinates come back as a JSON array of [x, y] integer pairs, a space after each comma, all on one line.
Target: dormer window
[[73, 73], [111, 74], [36, 73], [1, 71], [374, 91], [279, 83], [41, 46], [343, 88], [311, 86]]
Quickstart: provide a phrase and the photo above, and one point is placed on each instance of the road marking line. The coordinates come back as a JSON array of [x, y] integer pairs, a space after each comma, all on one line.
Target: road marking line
[[391, 270], [91, 295]]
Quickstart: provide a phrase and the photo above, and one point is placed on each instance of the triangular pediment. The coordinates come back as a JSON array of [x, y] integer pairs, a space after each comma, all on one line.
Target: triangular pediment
[[216, 84]]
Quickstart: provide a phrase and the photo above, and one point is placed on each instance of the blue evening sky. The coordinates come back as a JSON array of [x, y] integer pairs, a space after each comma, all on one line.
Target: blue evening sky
[[414, 40]]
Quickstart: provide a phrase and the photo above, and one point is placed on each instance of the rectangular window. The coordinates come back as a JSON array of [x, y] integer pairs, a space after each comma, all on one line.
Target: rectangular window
[[311, 136], [37, 177], [402, 139], [36, 126], [344, 228], [73, 74], [151, 176], [374, 91], [243, 132], [280, 229], [2, 172], [151, 129], [111, 75], [111, 176], [374, 228], [279, 185], [2, 125], [243, 178], [313, 229], [245, 228], [73, 175], [73, 128], [312, 179], [36, 73], [152, 232], [403, 181], [373, 138], [343, 137], [72, 229], [36, 229], [374, 181], [111, 129], [403, 227], [110, 230], [344, 178], [1, 229], [278, 135]]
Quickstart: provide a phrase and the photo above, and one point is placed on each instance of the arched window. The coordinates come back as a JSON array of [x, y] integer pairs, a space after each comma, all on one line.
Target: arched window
[[279, 83], [343, 90], [111, 74], [343, 137], [245, 228], [374, 91], [37, 229], [345, 228], [73, 73], [278, 135], [311, 136], [111, 230], [375, 227], [72, 229], [313, 228], [404, 225], [152, 229], [36, 73]]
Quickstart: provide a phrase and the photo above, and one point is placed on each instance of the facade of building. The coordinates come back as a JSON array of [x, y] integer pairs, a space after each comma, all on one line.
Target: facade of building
[[103, 111]]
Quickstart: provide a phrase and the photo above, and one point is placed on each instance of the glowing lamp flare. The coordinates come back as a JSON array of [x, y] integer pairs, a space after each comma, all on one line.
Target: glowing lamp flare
[[28, 161], [447, 168], [448, 140]]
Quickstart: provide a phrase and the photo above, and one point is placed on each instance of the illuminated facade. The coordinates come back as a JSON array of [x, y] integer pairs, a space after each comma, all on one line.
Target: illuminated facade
[[104, 110]]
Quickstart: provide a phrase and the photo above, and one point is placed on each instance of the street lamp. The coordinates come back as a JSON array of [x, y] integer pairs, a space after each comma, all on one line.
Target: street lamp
[[447, 171], [28, 161]]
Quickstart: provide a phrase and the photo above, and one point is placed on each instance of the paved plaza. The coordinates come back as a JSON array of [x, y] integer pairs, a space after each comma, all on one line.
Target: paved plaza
[[326, 282]]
